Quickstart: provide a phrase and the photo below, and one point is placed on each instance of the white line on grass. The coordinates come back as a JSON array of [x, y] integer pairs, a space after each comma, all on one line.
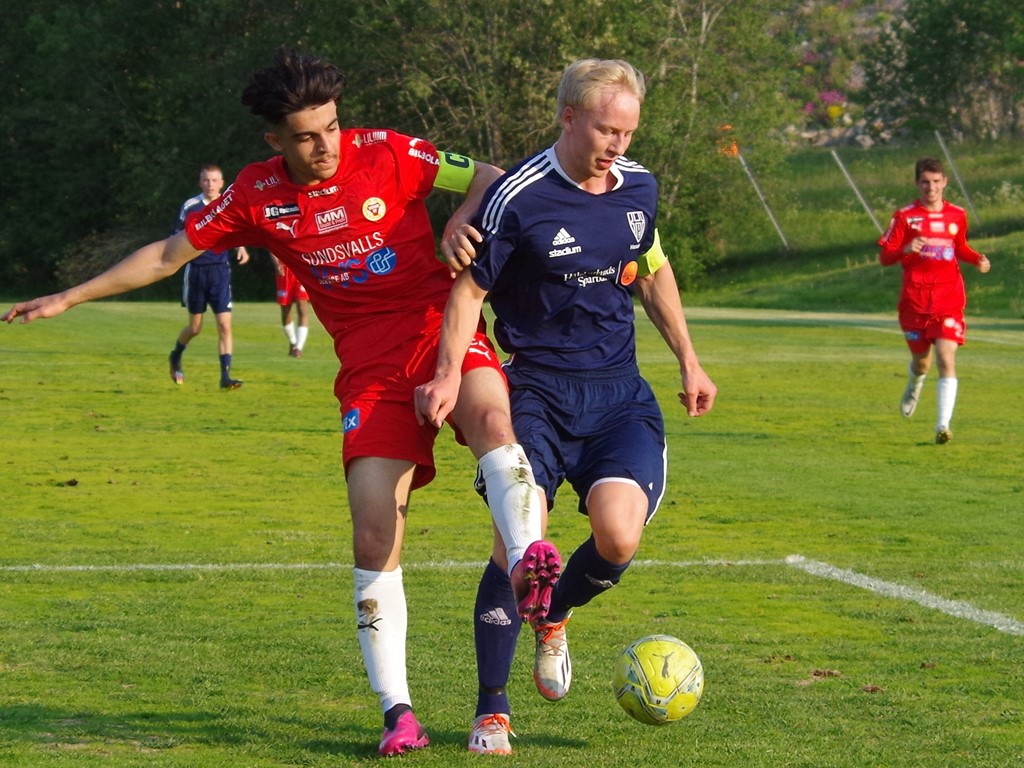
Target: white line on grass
[[890, 589], [956, 608]]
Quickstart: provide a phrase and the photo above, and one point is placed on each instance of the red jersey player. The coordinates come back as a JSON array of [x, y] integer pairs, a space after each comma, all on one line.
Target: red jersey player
[[344, 210], [929, 238], [289, 291]]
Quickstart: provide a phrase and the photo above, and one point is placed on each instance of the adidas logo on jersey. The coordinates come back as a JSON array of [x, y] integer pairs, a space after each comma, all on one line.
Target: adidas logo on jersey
[[563, 238], [496, 616], [563, 245]]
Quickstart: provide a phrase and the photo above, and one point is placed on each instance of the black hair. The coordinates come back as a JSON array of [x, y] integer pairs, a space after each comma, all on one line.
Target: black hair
[[294, 82]]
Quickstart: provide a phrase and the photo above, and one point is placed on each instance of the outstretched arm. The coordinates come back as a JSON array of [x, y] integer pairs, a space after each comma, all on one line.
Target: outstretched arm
[[145, 266], [436, 399], [660, 296]]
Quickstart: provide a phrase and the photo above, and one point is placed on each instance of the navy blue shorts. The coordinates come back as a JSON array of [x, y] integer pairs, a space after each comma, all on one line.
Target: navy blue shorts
[[589, 427], [207, 284]]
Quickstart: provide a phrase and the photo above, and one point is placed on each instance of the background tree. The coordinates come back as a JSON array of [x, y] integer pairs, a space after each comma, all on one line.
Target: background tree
[[952, 66], [111, 106], [718, 72]]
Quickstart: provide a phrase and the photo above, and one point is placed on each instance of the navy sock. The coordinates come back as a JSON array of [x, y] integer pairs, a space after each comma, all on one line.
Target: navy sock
[[392, 715], [179, 350], [225, 367], [496, 626], [584, 577]]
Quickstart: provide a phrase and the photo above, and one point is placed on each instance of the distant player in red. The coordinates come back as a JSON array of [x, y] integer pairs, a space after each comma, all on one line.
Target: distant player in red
[[290, 292], [929, 238], [344, 210]]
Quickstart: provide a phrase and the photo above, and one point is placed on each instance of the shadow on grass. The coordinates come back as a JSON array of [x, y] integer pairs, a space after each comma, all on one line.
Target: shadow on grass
[[60, 730]]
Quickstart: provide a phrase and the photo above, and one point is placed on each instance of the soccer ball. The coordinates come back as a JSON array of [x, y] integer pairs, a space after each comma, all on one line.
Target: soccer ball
[[658, 679]]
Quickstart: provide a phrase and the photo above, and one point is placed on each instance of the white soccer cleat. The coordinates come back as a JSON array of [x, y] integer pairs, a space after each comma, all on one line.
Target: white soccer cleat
[[552, 667], [490, 735]]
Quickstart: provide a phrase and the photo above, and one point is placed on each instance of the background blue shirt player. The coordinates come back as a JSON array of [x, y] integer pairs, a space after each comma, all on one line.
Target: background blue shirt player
[[206, 282], [569, 237]]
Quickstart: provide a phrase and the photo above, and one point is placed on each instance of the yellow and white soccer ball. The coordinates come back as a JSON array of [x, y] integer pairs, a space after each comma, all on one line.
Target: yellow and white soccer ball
[[658, 679]]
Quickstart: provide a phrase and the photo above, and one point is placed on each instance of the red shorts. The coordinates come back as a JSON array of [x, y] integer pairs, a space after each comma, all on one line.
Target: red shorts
[[921, 331], [378, 413], [289, 289]]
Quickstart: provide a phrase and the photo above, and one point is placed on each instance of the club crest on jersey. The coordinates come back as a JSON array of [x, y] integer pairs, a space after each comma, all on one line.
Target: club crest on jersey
[[637, 224], [374, 209], [328, 221], [953, 229]]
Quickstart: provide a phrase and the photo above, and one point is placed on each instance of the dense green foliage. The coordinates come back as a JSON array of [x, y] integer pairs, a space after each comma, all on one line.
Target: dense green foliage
[[111, 106], [952, 65]]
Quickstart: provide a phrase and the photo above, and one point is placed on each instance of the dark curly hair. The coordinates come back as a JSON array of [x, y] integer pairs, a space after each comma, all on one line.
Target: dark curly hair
[[295, 81]]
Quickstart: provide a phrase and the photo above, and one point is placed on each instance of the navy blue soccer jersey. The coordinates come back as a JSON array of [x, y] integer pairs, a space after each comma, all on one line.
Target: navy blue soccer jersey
[[189, 207], [559, 262]]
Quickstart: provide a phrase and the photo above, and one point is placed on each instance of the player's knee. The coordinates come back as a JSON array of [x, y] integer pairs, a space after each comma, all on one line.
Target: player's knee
[[493, 425], [618, 549]]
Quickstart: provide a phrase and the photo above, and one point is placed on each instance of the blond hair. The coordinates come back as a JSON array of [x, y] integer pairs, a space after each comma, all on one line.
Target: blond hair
[[585, 79]]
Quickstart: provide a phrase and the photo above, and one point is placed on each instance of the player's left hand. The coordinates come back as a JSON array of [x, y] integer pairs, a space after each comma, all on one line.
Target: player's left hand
[[699, 392]]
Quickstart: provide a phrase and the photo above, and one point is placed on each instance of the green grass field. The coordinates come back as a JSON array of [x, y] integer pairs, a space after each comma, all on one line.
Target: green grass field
[[175, 582]]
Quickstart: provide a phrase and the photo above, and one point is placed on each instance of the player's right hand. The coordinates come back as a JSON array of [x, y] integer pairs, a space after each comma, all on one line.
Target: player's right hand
[[46, 306], [435, 400], [458, 246]]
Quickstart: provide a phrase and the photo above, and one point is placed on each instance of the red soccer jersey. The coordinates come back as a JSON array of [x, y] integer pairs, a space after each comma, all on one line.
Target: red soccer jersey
[[932, 283], [361, 243]]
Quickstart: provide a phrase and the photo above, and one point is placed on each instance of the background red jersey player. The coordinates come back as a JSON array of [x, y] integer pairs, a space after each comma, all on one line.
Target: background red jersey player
[[929, 239]]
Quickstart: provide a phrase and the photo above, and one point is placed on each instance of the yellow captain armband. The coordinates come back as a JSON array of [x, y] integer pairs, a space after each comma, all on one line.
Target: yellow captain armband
[[653, 260], [454, 172]]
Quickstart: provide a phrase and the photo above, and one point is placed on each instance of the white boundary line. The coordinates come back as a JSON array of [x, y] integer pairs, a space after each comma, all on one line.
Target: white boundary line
[[955, 608]]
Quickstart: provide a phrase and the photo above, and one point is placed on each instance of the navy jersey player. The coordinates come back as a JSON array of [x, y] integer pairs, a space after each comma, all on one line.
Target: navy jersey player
[[569, 239], [206, 283]]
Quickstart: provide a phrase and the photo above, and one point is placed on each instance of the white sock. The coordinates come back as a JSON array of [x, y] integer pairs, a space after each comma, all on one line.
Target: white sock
[[513, 498], [289, 332], [383, 620], [947, 401], [301, 336]]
